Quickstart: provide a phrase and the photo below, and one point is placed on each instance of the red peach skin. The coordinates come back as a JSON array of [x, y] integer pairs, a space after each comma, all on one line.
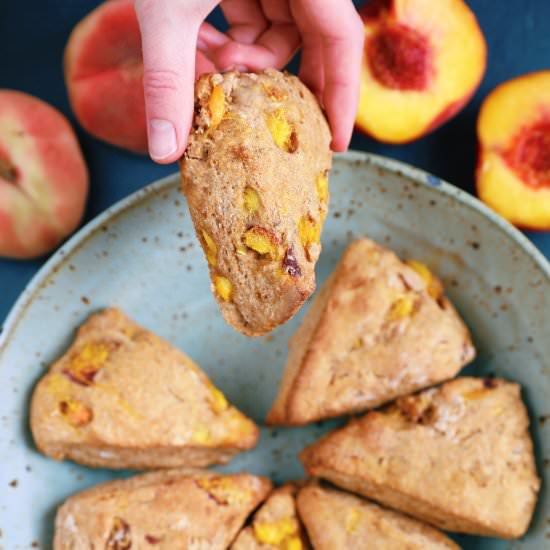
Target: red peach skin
[[43, 176], [104, 74]]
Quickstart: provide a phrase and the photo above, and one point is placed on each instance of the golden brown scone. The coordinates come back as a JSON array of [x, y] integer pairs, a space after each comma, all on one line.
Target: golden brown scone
[[459, 457], [275, 524], [192, 509], [335, 520], [122, 397], [255, 174], [379, 328]]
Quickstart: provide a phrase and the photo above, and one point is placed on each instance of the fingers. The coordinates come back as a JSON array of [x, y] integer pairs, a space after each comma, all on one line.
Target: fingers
[[277, 11], [341, 36], [169, 32], [203, 65], [274, 48], [245, 18], [312, 70], [211, 38]]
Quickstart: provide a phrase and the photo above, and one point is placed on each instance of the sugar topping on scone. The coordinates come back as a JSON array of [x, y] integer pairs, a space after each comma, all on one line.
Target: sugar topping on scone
[[458, 456], [275, 526], [122, 397], [191, 509], [335, 520], [379, 328], [255, 174]]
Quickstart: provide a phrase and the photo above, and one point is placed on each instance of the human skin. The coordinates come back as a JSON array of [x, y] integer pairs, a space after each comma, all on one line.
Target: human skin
[[178, 46]]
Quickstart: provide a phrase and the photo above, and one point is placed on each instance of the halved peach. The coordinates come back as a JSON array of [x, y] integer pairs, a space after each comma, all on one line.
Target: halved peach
[[423, 61], [43, 176], [104, 74], [513, 128]]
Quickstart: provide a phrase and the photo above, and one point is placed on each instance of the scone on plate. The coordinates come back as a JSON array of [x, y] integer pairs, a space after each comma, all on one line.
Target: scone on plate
[[337, 520], [379, 328], [255, 174], [191, 509], [122, 397], [459, 457], [275, 525]]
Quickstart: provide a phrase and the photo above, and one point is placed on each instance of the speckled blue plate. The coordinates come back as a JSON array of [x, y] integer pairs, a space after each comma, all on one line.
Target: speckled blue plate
[[141, 255]]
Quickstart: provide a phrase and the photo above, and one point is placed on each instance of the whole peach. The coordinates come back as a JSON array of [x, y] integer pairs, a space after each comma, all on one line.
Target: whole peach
[[43, 176]]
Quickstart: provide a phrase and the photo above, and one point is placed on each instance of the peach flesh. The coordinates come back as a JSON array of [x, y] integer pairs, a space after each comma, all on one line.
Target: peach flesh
[[529, 154], [399, 58]]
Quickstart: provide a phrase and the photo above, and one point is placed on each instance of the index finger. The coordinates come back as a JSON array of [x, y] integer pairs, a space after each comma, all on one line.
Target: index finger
[[341, 37]]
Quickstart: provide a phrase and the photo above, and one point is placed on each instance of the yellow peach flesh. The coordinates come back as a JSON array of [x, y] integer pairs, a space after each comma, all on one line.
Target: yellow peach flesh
[[216, 106], [458, 62], [223, 287], [512, 109]]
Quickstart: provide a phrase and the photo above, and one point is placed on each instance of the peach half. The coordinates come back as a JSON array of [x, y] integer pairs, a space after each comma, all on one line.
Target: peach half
[[513, 128], [104, 75], [43, 176], [422, 62]]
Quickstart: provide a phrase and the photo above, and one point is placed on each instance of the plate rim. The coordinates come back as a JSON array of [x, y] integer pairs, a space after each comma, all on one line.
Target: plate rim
[[418, 175]]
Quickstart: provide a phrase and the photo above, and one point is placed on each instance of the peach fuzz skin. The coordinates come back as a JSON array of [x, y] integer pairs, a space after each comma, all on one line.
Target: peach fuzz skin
[[513, 169], [43, 176], [430, 84], [104, 74]]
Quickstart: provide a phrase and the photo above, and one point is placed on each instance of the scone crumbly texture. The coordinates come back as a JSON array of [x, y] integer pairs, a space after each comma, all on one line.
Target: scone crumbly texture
[[338, 520], [168, 509], [122, 397], [275, 526], [255, 174], [459, 457], [379, 328]]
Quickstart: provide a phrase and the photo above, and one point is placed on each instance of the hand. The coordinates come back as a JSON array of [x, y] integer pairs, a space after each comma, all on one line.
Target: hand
[[179, 46]]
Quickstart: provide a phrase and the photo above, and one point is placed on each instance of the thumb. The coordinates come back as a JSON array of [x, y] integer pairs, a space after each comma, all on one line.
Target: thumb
[[169, 40]]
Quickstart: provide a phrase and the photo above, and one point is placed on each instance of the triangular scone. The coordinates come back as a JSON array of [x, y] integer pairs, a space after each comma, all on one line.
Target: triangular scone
[[459, 457], [191, 509], [275, 525], [255, 174], [378, 329], [337, 520], [122, 397]]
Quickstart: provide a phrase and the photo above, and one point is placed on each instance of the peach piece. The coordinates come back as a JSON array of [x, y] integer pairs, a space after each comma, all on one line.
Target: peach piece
[[104, 74], [43, 176], [423, 61], [513, 128]]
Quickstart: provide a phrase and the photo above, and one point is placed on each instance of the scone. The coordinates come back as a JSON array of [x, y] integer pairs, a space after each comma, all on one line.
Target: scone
[[335, 520], [275, 525], [459, 457], [190, 509], [255, 174], [379, 328], [122, 397]]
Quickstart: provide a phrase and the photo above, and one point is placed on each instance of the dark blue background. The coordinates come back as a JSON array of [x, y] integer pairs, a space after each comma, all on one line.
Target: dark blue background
[[33, 34]]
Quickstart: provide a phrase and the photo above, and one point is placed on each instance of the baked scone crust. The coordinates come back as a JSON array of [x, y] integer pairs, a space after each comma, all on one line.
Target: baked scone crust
[[184, 508], [379, 328], [459, 457], [255, 177], [335, 519], [275, 525], [122, 397]]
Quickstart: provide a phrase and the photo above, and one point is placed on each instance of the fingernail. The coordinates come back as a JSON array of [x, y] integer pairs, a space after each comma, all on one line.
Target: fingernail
[[162, 139], [201, 44]]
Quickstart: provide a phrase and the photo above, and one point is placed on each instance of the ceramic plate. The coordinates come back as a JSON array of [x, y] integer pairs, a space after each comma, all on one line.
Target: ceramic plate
[[141, 255]]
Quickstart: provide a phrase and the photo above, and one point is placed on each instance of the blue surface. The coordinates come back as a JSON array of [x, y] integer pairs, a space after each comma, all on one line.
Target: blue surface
[[33, 35]]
